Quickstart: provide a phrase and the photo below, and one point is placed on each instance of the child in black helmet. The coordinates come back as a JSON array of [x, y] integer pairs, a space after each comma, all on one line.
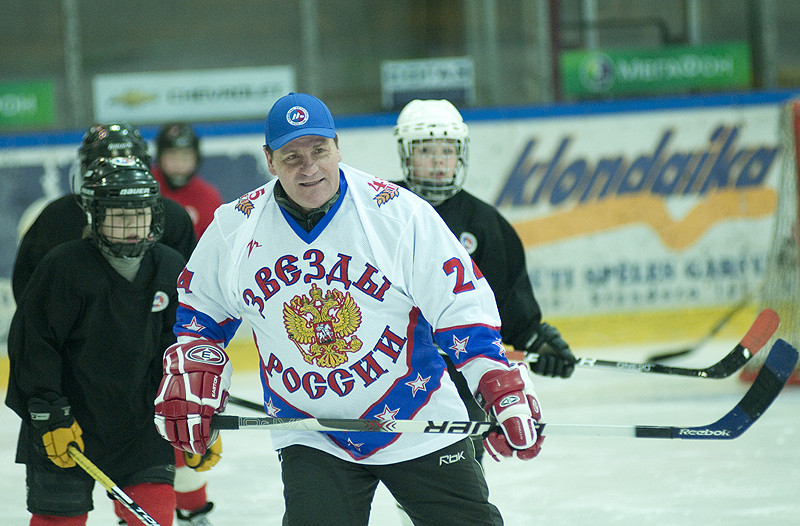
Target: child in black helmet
[[85, 348]]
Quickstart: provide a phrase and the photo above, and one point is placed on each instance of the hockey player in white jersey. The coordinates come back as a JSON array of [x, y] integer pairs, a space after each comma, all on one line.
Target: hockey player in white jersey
[[349, 283]]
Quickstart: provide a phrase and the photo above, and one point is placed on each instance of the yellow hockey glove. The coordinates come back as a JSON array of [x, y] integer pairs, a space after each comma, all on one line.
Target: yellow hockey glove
[[206, 461]]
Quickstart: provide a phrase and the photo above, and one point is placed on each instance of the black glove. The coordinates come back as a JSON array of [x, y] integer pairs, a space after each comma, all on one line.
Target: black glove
[[555, 358], [55, 429]]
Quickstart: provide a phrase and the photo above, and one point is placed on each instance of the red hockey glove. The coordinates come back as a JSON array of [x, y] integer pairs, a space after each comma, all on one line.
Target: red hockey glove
[[555, 357], [509, 397], [197, 375]]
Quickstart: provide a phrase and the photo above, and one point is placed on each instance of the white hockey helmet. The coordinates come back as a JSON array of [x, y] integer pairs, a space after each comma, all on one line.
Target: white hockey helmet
[[432, 121]]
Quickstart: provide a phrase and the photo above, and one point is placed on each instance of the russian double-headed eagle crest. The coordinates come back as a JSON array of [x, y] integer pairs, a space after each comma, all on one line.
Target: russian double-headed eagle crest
[[320, 325]]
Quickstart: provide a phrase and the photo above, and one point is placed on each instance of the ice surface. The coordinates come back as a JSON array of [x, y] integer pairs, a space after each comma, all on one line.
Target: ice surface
[[752, 480]]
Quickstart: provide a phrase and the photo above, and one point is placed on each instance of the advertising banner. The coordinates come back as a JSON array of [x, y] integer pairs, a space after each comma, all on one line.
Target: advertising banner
[[671, 69], [441, 78], [153, 97], [27, 104], [623, 214]]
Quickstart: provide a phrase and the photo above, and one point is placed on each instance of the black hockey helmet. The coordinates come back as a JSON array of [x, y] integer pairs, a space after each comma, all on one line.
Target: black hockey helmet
[[118, 139], [177, 135], [123, 206]]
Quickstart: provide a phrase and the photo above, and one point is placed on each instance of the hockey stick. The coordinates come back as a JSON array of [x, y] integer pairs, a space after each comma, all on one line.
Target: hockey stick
[[768, 384], [757, 336], [247, 404], [93, 471], [759, 333], [722, 322]]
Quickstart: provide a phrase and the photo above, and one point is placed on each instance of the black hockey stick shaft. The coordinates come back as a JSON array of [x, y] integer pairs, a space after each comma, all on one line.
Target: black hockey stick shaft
[[764, 326], [766, 387], [247, 404], [95, 472], [722, 322]]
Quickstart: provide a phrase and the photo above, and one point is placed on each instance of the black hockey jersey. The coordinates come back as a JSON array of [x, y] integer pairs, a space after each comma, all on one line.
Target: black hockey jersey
[[83, 331], [64, 220], [497, 250]]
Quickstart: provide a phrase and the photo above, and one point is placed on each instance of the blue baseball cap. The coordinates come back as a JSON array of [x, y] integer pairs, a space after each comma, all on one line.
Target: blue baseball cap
[[296, 115]]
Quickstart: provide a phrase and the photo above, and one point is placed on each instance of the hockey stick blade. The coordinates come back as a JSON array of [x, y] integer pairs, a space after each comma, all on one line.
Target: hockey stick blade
[[764, 326], [765, 389], [722, 322], [768, 384]]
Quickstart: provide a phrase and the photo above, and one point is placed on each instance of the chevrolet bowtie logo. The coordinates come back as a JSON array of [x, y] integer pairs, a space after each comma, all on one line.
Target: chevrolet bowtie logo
[[133, 98]]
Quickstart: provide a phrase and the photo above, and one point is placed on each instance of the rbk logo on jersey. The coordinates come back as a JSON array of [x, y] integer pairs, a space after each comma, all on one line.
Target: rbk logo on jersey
[[251, 245], [319, 325]]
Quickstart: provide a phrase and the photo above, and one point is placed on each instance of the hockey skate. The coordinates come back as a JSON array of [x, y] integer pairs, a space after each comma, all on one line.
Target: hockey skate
[[195, 518]]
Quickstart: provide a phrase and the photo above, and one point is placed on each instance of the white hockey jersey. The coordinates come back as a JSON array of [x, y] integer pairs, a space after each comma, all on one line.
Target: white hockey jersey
[[347, 317]]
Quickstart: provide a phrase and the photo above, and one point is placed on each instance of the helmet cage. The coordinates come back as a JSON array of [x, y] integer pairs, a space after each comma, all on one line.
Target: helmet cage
[[134, 191], [428, 182]]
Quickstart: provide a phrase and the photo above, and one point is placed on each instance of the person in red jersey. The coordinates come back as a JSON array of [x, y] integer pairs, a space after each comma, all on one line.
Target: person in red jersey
[[177, 160]]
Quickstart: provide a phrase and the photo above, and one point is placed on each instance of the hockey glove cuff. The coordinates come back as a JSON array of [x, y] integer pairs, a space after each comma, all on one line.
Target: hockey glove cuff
[[56, 428], [555, 357], [197, 375], [508, 396]]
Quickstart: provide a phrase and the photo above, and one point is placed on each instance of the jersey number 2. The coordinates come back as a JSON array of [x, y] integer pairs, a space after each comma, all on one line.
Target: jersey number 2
[[455, 265]]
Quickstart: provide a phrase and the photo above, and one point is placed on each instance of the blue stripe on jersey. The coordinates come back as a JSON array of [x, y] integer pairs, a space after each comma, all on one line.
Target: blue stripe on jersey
[[197, 324], [466, 342]]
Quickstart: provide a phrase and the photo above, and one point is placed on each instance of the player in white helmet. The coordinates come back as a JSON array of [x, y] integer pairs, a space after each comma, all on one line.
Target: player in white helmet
[[433, 143]]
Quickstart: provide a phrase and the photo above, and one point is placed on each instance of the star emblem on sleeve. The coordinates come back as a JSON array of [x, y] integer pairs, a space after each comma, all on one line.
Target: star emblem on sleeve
[[459, 346], [387, 414], [271, 409], [193, 325], [499, 344], [353, 445], [418, 384]]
